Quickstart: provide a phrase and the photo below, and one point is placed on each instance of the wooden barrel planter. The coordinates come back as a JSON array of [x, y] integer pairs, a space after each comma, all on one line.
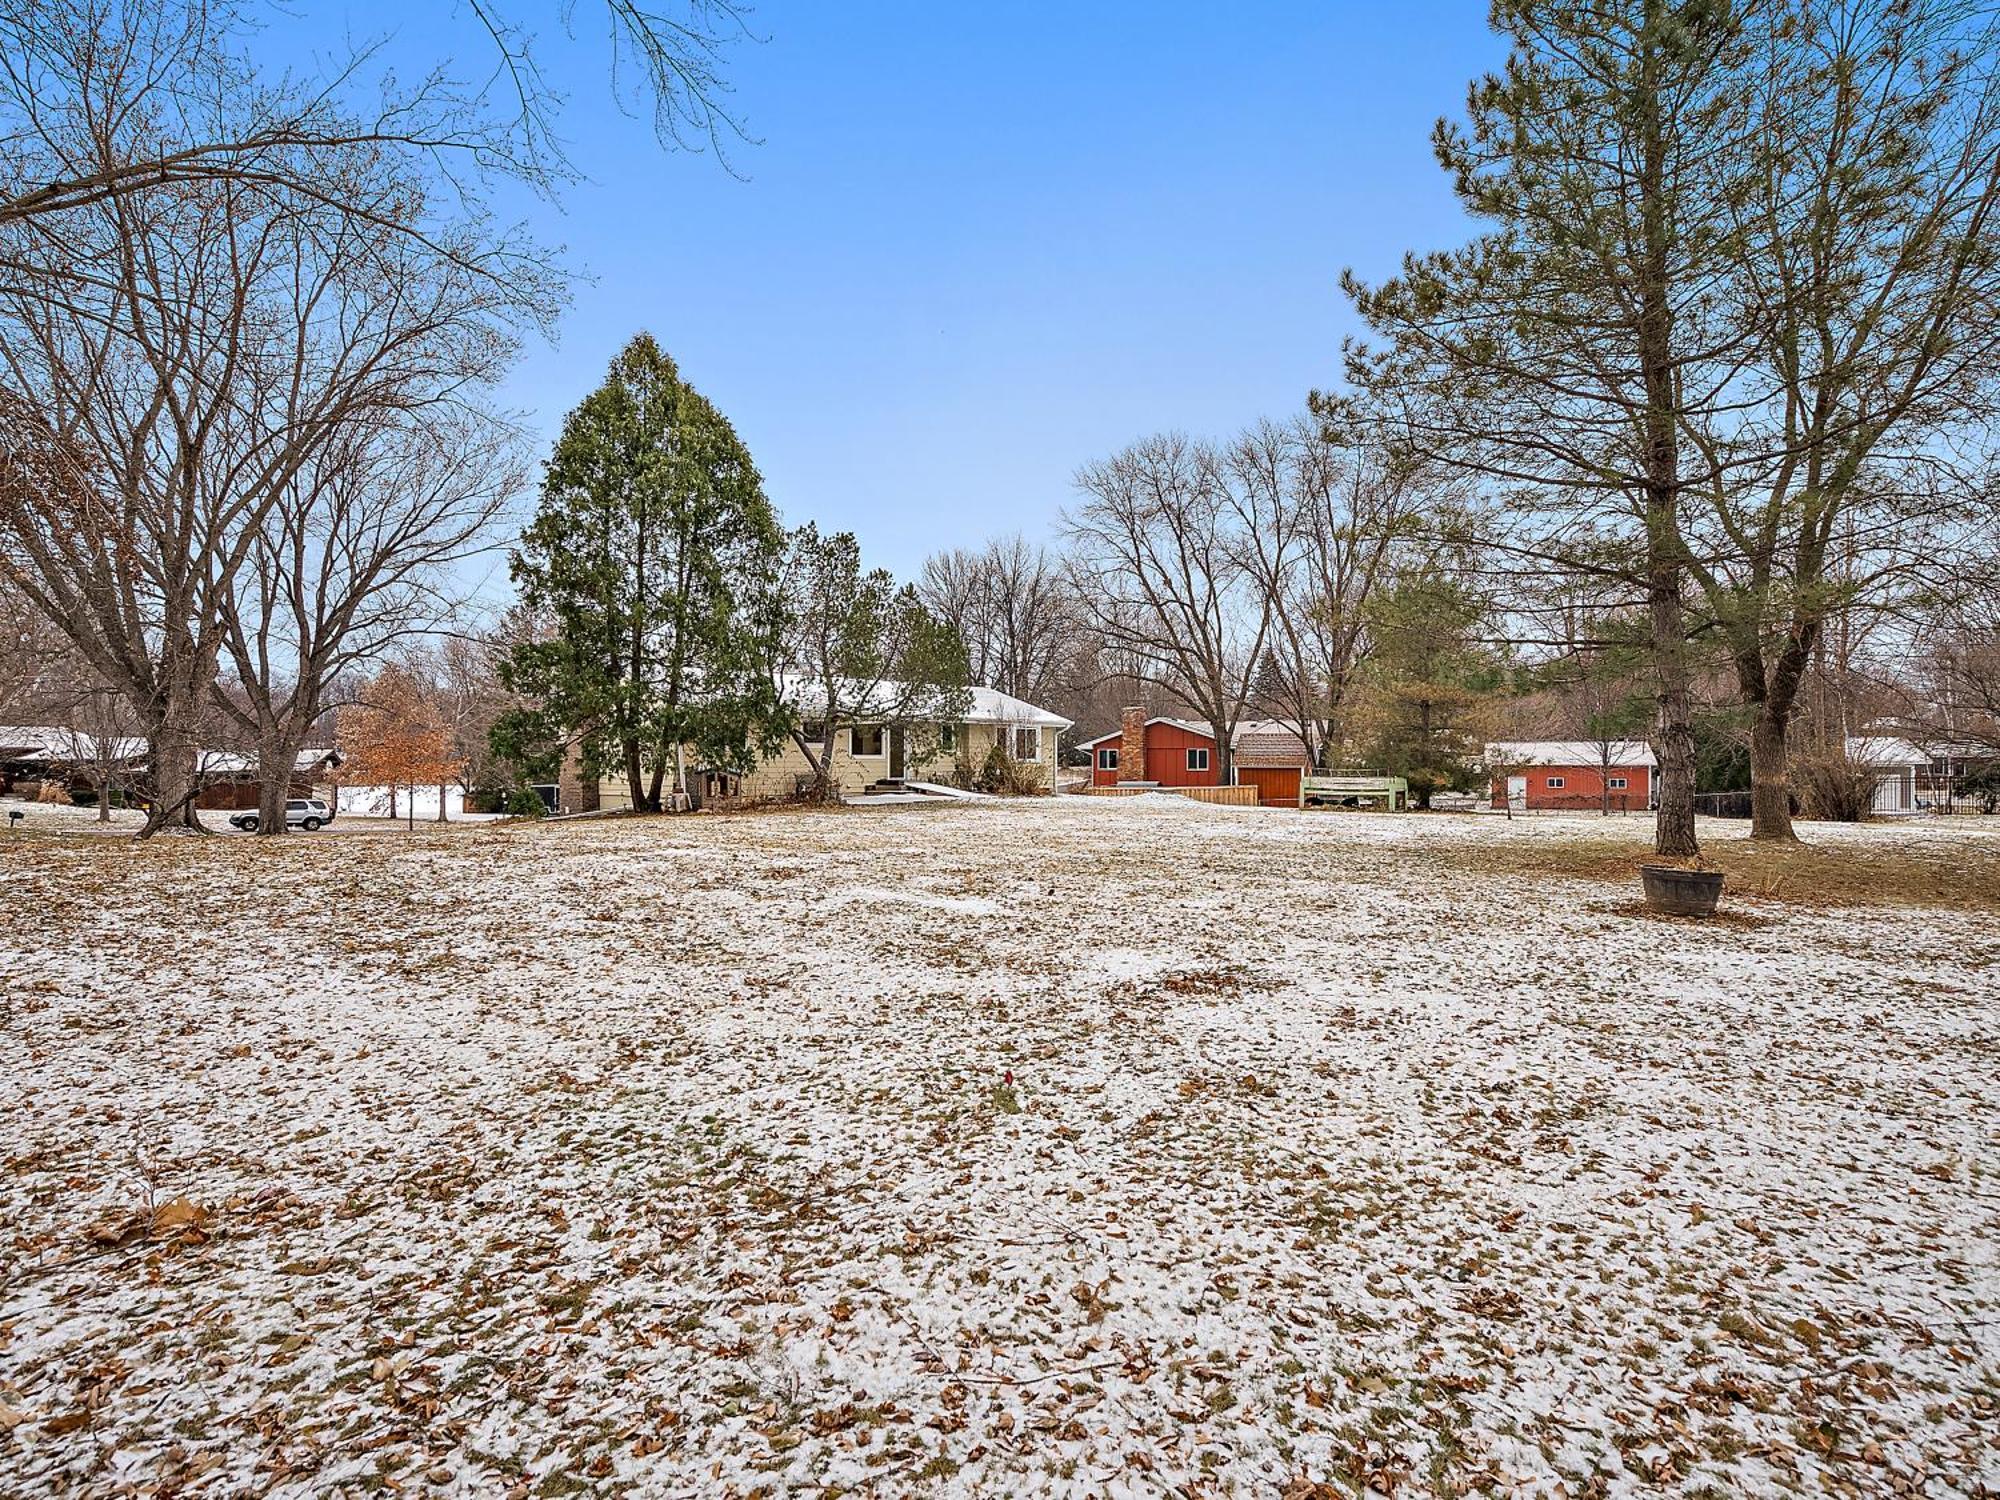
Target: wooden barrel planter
[[1681, 893]]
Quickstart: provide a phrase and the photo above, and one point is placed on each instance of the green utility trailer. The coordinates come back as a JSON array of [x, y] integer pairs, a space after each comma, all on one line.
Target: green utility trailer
[[1358, 788]]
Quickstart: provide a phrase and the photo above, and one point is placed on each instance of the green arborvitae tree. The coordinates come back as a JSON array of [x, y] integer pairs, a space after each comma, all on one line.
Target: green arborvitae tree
[[1430, 688], [651, 559], [855, 648]]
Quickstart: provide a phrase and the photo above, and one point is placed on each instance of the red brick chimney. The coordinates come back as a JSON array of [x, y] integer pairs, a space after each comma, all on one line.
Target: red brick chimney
[[1132, 745]]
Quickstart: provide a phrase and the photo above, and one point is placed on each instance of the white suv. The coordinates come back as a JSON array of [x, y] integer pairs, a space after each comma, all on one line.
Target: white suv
[[308, 813]]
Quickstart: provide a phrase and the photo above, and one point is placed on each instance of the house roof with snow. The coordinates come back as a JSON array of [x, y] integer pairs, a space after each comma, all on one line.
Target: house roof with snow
[[54, 742], [235, 763], [61, 746], [1571, 753], [1885, 750], [1188, 724], [989, 705]]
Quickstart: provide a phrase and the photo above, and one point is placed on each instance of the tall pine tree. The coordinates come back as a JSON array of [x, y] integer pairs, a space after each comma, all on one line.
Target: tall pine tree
[[1566, 353]]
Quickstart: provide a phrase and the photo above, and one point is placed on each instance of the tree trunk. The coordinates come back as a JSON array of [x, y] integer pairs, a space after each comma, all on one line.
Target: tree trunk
[[1673, 737], [635, 776], [1770, 776], [1673, 826], [441, 817], [172, 770], [277, 754]]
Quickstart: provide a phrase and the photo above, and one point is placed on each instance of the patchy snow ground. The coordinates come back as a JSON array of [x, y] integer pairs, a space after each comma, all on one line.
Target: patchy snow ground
[[677, 1157]]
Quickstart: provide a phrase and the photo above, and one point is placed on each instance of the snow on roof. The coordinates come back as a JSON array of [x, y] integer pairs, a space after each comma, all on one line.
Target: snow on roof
[[1885, 750], [1572, 753], [52, 742], [55, 742], [989, 705], [234, 762], [1188, 724]]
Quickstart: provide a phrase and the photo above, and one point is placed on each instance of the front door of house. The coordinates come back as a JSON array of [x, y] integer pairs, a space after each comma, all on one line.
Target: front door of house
[[895, 754], [1517, 793]]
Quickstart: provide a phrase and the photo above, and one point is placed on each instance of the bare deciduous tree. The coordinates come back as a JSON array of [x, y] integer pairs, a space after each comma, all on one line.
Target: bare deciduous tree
[[1862, 265], [464, 671], [1168, 560], [1954, 698], [168, 91], [351, 561], [1012, 605], [30, 646], [1344, 500], [154, 414]]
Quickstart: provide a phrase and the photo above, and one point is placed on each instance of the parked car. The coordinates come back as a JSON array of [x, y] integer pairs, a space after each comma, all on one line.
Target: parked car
[[308, 813]]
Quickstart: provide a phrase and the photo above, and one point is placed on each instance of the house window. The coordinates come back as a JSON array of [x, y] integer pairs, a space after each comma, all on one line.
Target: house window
[[813, 731], [1617, 783], [1107, 759], [864, 739], [1027, 742], [1555, 783], [1197, 760], [947, 737]]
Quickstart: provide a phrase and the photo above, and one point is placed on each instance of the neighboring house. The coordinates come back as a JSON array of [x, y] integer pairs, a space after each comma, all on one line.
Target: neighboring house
[[1900, 771], [1573, 775], [1914, 776], [32, 756], [1163, 751], [865, 754], [1154, 752], [229, 780]]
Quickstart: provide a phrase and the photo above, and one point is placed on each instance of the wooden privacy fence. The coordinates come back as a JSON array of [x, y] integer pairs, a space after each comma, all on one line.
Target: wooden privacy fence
[[1229, 796]]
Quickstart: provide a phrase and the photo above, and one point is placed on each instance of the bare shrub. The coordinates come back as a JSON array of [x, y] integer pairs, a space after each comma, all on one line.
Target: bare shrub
[[1832, 788]]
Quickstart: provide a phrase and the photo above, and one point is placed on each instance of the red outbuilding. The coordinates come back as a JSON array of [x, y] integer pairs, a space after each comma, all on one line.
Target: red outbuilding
[[1271, 757], [1572, 775]]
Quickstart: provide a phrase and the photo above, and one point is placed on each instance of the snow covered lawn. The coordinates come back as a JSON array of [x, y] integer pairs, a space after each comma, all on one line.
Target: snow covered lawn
[[1092, 1147]]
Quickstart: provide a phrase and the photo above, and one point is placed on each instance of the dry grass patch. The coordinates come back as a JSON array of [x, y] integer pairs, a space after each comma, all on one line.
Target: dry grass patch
[[1953, 874]]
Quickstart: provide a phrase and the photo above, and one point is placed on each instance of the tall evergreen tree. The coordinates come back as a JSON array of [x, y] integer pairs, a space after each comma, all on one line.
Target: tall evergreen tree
[[1564, 354], [1430, 686], [652, 556]]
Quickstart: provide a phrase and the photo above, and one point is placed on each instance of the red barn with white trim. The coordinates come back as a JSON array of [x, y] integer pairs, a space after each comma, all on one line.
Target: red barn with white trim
[[1572, 775]]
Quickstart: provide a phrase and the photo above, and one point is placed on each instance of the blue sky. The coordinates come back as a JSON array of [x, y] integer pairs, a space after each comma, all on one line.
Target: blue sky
[[979, 246]]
